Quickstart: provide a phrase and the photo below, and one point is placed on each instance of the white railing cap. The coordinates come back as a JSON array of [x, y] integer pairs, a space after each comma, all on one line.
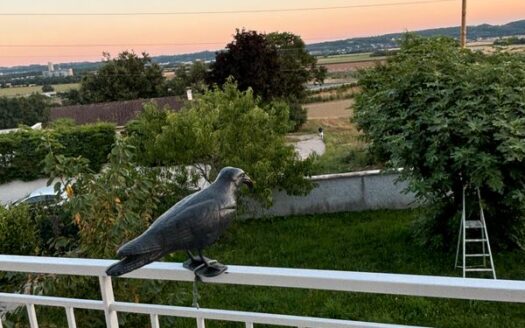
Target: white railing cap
[[401, 284]]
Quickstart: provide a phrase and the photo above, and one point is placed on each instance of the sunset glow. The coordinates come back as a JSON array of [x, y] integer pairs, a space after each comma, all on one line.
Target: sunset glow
[[39, 39]]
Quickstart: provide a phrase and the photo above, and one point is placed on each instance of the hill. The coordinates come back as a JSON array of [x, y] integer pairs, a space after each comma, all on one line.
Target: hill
[[387, 41], [352, 45]]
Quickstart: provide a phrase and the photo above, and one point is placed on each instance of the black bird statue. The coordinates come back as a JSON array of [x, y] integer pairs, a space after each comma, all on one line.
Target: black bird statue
[[193, 223]]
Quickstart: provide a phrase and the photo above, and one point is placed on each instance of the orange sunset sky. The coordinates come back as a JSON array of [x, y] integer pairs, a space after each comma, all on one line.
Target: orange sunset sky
[[64, 38]]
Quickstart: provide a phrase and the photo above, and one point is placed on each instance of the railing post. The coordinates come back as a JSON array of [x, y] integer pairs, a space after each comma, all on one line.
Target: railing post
[[154, 321], [108, 298], [200, 323], [249, 324], [33, 323], [70, 314]]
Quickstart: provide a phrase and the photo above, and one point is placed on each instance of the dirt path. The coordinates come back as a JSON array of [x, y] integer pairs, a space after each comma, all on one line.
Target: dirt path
[[307, 144]]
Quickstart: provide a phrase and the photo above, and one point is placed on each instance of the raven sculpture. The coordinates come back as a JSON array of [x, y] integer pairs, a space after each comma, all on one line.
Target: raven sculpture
[[193, 223]]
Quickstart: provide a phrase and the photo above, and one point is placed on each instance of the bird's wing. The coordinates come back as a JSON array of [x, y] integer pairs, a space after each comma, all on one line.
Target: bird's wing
[[188, 225], [143, 244], [175, 230]]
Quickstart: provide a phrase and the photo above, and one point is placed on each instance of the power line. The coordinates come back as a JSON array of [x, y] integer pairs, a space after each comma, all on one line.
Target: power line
[[252, 11]]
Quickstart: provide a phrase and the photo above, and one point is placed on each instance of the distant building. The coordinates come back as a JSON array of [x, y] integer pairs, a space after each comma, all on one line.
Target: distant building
[[52, 72]]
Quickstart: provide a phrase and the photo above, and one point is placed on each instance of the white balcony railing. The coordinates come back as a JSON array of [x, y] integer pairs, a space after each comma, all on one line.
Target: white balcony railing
[[415, 285]]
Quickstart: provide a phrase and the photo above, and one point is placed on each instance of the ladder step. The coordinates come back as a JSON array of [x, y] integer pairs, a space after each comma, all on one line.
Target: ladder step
[[473, 224], [478, 270], [476, 255], [475, 240]]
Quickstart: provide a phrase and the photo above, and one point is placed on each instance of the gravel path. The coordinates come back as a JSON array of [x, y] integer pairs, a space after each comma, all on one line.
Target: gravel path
[[308, 144]]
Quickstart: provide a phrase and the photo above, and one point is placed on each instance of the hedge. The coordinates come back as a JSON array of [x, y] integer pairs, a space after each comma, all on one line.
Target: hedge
[[22, 152]]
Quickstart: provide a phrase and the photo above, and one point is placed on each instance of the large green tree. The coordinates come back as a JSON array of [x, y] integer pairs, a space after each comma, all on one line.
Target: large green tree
[[225, 127], [274, 66], [24, 110], [254, 63], [125, 77], [452, 118]]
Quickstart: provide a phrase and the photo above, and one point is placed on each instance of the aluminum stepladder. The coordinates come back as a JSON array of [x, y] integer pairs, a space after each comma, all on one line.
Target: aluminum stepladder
[[466, 239]]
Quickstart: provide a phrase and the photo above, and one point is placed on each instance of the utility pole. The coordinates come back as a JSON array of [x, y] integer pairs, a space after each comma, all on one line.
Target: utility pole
[[463, 34]]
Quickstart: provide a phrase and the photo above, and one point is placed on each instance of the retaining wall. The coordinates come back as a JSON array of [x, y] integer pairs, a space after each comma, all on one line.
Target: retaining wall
[[355, 191]]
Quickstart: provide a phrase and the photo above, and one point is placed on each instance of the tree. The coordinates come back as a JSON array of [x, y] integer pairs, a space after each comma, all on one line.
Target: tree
[[451, 118], [226, 128], [275, 66], [193, 76], [254, 63], [123, 78], [24, 110], [47, 88], [320, 74]]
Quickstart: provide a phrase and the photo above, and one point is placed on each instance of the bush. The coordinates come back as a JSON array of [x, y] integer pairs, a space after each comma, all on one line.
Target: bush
[[108, 209], [452, 118], [22, 152], [298, 115], [18, 233]]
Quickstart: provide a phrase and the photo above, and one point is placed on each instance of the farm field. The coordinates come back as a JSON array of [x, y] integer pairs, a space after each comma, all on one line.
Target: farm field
[[329, 109], [347, 58], [23, 91]]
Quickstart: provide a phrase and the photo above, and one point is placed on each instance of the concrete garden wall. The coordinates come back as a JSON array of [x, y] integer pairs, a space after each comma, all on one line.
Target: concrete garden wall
[[355, 191]]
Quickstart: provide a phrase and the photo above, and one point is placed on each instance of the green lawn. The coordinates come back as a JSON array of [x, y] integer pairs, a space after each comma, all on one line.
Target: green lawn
[[378, 241], [23, 91]]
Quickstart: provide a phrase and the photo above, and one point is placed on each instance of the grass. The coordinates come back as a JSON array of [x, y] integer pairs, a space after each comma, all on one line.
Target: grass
[[345, 150], [379, 241], [23, 91], [371, 241], [347, 58]]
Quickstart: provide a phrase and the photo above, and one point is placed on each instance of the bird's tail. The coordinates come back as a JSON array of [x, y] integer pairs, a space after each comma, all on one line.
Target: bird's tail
[[130, 263]]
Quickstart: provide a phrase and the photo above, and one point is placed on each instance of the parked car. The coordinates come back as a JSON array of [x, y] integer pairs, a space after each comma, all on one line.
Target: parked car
[[42, 196]]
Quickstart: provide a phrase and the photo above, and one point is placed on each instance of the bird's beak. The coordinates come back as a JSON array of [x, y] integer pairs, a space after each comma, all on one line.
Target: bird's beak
[[247, 181]]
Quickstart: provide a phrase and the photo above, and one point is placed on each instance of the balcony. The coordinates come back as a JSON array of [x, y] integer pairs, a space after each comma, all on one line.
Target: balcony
[[342, 281]]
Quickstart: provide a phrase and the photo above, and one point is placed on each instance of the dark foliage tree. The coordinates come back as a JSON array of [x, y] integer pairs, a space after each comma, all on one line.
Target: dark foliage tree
[[452, 118], [254, 63], [275, 66], [47, 88], [25, 110], [123, 78]]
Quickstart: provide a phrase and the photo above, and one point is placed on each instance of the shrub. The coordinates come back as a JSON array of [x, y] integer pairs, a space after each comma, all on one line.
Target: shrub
[[22, 152], [18, 233]]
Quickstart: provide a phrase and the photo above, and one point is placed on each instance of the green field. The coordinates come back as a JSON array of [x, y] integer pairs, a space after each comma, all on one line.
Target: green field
[[347, 58], [24, 91]]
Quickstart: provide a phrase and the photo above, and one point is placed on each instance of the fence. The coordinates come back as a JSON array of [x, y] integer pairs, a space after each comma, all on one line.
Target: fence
[[343, 281]]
